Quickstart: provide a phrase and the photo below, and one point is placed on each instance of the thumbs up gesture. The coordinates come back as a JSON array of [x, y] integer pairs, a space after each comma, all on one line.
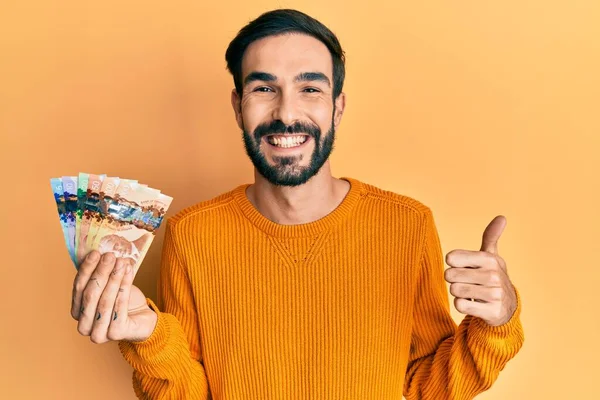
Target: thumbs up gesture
[[479, 280]]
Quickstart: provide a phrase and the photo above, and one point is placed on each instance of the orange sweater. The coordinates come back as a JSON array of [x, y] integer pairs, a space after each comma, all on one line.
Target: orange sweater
[[352, 306]]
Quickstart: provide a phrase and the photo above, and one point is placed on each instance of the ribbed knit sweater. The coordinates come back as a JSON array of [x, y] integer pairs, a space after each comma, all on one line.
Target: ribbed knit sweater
[[351, 306]]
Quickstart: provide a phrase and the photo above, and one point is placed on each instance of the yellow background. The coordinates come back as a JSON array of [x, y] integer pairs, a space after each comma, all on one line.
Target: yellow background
[[475, 108]]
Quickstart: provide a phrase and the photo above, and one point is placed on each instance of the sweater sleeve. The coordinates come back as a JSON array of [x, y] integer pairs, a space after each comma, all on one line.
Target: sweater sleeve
[[168, 365], [447, 361]]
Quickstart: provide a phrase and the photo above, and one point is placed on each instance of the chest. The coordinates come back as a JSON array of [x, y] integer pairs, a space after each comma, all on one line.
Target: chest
[[291, 284]]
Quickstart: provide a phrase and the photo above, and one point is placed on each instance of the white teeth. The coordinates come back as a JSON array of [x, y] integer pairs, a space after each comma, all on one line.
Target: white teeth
[[287, 141]]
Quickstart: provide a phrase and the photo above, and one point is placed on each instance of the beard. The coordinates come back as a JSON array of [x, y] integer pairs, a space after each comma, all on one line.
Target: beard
[[287, 170]]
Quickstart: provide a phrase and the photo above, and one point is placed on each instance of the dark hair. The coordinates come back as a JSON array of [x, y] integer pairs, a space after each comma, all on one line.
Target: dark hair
[[279, 22]]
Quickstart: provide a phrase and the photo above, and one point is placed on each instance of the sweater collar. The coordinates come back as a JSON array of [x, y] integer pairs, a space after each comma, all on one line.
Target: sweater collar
[[308, 229]]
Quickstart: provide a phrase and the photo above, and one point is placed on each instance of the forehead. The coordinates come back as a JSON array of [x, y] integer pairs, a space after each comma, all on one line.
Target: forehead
[[287, 55]]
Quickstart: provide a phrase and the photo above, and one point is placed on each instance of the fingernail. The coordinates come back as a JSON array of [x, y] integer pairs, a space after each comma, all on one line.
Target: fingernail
[[108, 258], [128, 270], [93, 256]]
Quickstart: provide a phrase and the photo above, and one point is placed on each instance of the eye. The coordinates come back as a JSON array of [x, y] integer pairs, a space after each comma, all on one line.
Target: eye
[[311, 90], [264, 89]]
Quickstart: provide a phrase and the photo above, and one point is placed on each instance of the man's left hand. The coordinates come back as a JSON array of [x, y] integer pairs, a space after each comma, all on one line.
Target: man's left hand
[[479, 280]]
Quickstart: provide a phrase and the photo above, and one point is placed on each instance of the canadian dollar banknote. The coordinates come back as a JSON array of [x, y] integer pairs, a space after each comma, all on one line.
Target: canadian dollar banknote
[[108, 214]]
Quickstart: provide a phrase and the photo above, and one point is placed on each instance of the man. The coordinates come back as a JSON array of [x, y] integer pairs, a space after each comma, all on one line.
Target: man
[[302, 285]]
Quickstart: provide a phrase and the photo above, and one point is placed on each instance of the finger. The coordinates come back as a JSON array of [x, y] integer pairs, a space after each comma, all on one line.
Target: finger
[[492, 233], [473, 259], [92, 292], [104, 310], [484, 277], [474, 308], [476, 292], [121, 309], [85, 270]]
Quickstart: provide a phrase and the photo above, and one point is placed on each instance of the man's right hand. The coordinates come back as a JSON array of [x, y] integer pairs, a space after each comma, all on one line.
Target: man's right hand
[[106, 304]]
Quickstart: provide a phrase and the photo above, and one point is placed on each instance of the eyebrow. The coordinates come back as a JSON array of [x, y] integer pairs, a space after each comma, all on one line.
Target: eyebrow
[[259, 76], [302, 77]]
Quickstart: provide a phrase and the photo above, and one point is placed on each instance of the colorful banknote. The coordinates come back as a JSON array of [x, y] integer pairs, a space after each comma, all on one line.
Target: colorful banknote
[[59, 198], [105, 194], [82, 185], [108, 214], [152, 217], [90, 212], [70, 192], [120, 232]]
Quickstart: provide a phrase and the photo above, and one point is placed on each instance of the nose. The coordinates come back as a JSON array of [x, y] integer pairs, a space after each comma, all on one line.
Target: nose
[[285, 109]]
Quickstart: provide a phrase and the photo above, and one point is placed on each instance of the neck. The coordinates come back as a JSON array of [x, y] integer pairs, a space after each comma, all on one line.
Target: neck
[[300, 204]]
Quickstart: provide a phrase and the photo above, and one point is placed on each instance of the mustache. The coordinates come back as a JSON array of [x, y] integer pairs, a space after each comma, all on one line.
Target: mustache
[[277, 126]]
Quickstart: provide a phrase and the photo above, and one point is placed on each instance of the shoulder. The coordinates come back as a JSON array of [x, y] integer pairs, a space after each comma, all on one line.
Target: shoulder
[[202, 211], [395, 213], [393, 200]]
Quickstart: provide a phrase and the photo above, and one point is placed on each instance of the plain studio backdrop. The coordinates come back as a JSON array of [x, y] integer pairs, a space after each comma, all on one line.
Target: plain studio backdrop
[[475, 108]]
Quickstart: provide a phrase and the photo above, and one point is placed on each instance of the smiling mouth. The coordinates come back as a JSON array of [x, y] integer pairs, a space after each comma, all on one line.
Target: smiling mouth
[[287, 141]]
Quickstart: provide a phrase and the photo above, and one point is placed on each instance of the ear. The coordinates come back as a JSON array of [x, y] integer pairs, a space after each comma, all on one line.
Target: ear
[[236, 103], [340, 104]]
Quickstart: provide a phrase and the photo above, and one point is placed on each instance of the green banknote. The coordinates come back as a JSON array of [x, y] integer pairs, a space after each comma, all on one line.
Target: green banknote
[[82, 185]]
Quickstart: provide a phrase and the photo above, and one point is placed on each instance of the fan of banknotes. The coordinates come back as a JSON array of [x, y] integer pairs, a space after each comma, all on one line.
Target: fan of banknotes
[[108, 214]]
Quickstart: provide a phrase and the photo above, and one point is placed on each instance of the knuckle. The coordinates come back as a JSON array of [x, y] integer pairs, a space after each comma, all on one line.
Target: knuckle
[[494, 262], [459, 305], [78, 284], [119, 301], [79, 287], [127, 279], [116, 274], [88, 296], [102, 305], [99, 274], [98, 338], [83, 330], [108, 259], [449, 274], [113, 334], [455, 290], [494, 278], [81, 282], [103, 271], [87, 267], [450, 256], [495, 294], [486, 255], [500, 294]]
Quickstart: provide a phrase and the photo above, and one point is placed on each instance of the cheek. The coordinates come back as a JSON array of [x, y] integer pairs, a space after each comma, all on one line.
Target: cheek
[[320, 107], [254, 113], [322, 116]]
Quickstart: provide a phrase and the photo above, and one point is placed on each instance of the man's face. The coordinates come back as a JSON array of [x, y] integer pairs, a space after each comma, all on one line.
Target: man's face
[[287, 113]]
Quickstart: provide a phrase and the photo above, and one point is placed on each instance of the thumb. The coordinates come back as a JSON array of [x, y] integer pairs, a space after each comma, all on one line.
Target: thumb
[[492, 233]]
